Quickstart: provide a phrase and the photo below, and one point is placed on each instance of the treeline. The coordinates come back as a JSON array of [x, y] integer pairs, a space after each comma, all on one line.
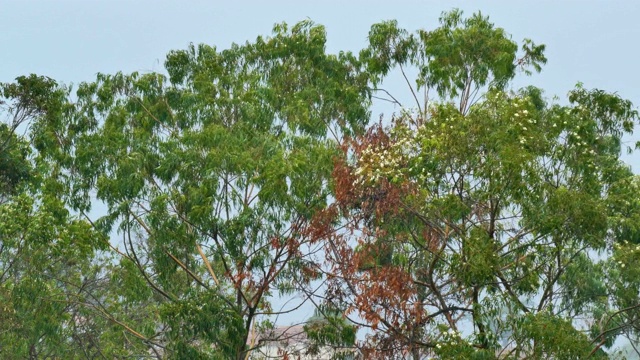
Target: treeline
[[477, 222]]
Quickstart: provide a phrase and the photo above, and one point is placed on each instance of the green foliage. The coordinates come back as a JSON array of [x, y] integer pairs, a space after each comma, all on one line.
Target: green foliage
[[329, 328], [549, 336], [456, 59], [14, 167], [45, 263], [55, 301], [202, 325]]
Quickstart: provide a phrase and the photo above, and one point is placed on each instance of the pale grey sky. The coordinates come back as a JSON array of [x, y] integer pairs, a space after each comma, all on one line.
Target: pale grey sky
[[71, 40], [589, 41], [594, 42]]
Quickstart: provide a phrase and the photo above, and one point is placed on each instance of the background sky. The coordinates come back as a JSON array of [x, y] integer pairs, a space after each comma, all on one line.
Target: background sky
[[594, 42], [590, 41]]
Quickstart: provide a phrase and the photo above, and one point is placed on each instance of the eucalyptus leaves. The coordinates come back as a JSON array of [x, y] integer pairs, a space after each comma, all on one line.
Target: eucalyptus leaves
[[478, 222]]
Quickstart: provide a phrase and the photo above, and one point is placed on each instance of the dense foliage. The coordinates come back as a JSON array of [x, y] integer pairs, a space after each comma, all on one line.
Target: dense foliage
[[172, 215]]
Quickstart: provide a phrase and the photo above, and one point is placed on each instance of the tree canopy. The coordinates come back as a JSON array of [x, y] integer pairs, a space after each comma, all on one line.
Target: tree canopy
[[177, 215]]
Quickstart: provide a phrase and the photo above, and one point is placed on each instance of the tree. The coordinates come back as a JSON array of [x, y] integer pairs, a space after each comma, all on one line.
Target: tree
[[478, 223], [213, 177], [48, 267]]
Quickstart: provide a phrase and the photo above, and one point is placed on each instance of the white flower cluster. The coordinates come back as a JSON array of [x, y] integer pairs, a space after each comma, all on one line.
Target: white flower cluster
[[628, 251], [523, 120], [376, 162], [453, 334], [451, 337]]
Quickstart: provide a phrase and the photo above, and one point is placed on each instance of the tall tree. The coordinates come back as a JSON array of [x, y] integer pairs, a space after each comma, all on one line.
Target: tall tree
[[49, 274], [213, 176], [477, 224]]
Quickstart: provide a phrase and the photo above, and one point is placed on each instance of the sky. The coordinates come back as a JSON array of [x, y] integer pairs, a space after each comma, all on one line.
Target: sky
[[593, 42], [589, 41]]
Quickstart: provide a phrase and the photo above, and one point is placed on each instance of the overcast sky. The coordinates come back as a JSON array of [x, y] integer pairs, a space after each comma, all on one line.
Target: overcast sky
[[590, 41], [595, 42]]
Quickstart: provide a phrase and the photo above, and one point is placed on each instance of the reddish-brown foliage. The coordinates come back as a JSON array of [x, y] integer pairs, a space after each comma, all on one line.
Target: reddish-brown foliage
[[362, 271]]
